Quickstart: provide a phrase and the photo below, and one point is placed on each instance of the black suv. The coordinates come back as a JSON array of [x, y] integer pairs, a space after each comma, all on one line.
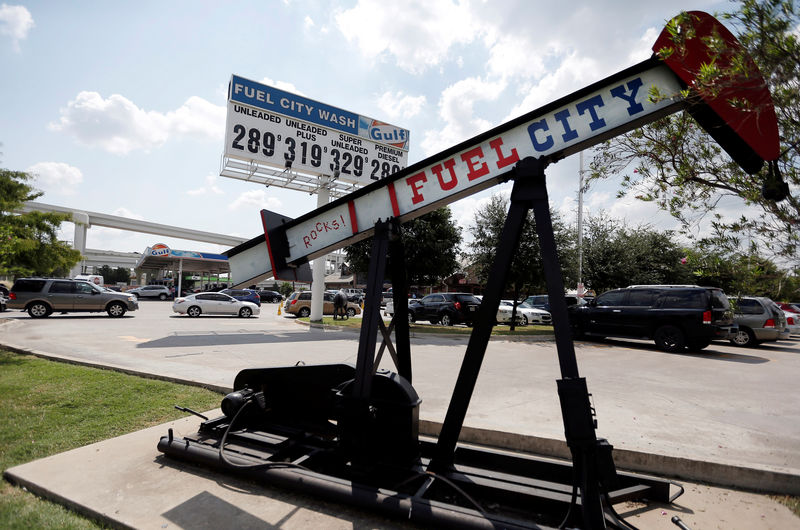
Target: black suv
[[270, 296], [674, 316], [445, 308], [42, 296]]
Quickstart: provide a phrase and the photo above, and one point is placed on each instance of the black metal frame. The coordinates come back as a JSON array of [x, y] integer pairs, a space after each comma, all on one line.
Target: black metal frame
[[371, 455]]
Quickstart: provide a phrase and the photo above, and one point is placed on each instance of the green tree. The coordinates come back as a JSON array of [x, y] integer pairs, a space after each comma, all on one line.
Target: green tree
[[285, 289], [111, 276], [741, 273], [526, 274], [29, 243], [615, 255], [677, 166], [431, 248]]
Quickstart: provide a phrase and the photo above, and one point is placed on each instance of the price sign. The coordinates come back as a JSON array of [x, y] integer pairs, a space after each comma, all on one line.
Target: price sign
[[284, 130]]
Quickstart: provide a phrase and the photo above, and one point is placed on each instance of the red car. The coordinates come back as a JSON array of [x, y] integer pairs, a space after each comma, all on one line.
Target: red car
[[792, 308]]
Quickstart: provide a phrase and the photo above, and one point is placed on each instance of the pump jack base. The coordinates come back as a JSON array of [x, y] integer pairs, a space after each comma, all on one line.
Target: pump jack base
[[486, 488]]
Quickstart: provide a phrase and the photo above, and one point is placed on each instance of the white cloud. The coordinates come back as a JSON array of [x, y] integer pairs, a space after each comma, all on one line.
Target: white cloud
[[56, 177], [573, 72], [124, 212], [283, 85], [118, 126], [456, 108], [511, 55], [308, 22], [398, 104], [210, 187], [15, 22], [644, 48], [419, 34], [255, 199]]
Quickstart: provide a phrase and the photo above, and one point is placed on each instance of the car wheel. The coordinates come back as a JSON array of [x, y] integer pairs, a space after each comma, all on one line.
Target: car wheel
[[446, 320], [162, 297], [194, 311], [304, 312], [411, 318], [245, 312], [669, 338], [38, 310], [523, 320], [744, 337], [116, 310], [351, 312]]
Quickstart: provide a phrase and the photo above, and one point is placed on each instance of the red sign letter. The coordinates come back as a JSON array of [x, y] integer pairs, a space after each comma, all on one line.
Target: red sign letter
[[503, 161], [476, 168], [415, 181], [449, 164]]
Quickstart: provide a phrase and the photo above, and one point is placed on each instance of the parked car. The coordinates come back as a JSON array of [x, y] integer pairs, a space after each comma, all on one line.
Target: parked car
[[248, 295], [792, 322], [386, 297], [354, 295], [151, 291], [214, 303], [444, 308], [759, 320], [289, 299], [270, 296], [541, 301], [526, 314], [300, 305], [675, 317], [792, 308], [40, 297]]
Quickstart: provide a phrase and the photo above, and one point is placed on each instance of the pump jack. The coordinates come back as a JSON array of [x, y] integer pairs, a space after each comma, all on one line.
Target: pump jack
[[350, 433]]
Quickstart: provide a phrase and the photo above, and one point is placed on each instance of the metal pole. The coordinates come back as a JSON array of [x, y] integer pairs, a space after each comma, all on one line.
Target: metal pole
[[318, 270], [580, 226]]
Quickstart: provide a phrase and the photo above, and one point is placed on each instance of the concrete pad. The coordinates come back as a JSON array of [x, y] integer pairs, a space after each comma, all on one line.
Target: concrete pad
[[126, 482]]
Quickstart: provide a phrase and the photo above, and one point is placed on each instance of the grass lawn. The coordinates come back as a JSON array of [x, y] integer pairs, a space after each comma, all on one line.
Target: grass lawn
[[447, 330], [49, 407]]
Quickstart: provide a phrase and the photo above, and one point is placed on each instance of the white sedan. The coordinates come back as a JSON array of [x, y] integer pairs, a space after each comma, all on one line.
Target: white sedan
[[526, 314], [198, 304], [792, 322]]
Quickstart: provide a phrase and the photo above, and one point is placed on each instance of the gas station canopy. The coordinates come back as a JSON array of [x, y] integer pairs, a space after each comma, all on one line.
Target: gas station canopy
[[161, 257]]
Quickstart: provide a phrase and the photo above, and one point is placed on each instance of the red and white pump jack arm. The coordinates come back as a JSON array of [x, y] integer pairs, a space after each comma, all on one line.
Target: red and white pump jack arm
[[748, 132]]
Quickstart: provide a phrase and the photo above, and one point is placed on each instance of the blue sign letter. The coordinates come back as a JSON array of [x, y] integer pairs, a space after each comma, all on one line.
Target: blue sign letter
[[540, 146]]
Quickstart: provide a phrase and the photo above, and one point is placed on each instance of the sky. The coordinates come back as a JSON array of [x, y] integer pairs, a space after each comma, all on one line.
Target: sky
[[119, 107]]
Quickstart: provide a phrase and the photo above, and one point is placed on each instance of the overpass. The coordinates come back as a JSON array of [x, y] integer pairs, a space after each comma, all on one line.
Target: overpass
[[84, 219]]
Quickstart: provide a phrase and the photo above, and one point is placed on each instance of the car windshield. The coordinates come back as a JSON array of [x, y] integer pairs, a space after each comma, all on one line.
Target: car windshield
[[526, 305]]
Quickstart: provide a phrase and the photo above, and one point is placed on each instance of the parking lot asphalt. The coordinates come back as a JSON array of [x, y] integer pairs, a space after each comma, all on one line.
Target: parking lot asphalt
[[726, 416]]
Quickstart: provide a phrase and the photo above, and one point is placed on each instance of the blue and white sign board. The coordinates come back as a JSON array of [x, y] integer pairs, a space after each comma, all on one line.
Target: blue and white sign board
[[279, 129]]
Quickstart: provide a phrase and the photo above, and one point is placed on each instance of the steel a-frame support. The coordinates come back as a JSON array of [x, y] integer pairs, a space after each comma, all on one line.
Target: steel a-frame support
[[387, 240], [592, 462]]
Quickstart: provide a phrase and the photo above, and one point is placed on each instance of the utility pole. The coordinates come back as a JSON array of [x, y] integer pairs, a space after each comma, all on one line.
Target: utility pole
[[580, 289]]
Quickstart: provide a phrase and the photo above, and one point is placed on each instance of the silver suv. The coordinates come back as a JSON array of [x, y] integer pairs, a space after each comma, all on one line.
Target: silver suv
[[150, 291], [42, 296]]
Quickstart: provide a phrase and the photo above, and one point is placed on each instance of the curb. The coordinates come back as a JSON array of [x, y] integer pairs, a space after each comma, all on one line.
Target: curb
[[712, 473]]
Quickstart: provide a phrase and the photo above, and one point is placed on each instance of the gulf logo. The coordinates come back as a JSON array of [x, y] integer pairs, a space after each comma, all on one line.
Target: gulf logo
[[388, 134], [159, 249]]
